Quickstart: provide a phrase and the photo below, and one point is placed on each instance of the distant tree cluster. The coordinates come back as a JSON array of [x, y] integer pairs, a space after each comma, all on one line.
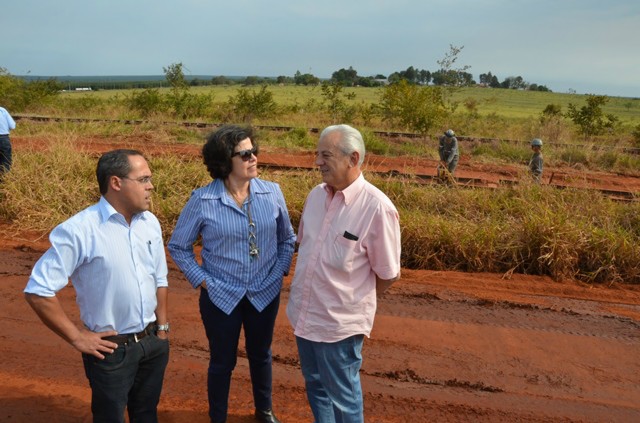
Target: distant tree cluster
[[461, 78], [305, 79], [350, 78], [412, 76], [511, 82]]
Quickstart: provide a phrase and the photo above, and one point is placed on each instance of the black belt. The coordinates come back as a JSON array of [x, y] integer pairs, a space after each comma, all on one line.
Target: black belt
[[132, 338]]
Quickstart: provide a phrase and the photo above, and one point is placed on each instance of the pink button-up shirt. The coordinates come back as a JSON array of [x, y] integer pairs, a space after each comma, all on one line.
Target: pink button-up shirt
[[346, 239]]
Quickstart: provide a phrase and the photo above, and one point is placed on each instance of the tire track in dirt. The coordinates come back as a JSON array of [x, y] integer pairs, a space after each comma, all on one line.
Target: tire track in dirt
[[508, 314]]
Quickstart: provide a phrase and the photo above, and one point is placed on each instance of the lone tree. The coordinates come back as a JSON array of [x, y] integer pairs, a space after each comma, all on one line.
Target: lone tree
[[590, 118], [413, 107], [175, 76]]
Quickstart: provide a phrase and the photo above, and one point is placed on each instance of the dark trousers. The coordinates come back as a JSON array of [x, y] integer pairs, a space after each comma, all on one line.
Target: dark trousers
[[129, 378], [453, 164], [223, 333], [5, 154]]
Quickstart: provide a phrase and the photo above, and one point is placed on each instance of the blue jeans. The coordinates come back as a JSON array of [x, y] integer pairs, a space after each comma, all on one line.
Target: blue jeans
[[332, 379], [223, 333], [131, 377], [5, 154]]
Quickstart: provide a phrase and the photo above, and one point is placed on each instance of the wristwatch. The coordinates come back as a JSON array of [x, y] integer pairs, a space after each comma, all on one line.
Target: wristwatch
[[164, 327]]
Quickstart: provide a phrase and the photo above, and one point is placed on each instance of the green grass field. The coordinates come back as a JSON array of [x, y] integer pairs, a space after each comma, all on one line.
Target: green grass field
[[502, 102]]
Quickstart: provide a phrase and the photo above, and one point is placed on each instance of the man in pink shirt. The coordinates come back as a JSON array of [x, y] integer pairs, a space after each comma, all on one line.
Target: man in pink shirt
[[349, 252]]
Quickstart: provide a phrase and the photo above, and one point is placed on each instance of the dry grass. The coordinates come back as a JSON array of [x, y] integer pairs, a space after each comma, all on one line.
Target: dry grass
[[525, 229]]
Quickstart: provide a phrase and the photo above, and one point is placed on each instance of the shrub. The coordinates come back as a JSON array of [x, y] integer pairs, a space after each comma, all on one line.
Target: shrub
[[249, 104], [335, 101], [575, 156], [18, 95], [145, 102], [374, 144], [590, 119], [413, 107]]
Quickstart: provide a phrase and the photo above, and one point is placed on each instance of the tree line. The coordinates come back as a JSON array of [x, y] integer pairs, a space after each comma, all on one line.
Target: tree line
[[347, 77], [411, 100]]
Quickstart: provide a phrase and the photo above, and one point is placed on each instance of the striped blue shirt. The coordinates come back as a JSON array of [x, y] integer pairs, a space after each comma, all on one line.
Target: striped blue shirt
[[115, 267], [228, 269]]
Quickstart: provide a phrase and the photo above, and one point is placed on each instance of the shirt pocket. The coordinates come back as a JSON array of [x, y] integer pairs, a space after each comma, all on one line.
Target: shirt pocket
[[342, 254], [148, 256]]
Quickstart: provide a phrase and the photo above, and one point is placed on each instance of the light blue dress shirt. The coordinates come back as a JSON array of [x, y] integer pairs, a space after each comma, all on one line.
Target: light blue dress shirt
[[6, 122], [115, 267], [228, 269]]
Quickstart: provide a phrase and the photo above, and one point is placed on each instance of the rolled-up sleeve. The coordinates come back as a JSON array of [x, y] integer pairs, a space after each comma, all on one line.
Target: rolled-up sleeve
[[384, 244], [52, 271]]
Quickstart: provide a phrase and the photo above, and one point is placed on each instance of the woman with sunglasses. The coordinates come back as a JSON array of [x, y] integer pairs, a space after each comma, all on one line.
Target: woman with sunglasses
[[247, 247]]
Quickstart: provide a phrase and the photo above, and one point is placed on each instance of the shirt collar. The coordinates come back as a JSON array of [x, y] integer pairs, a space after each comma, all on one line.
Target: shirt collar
[[350, 192], [217, 189], [107, 210]]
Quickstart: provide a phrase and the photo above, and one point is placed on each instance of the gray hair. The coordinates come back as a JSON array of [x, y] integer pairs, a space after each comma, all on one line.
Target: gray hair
[[350, 140]]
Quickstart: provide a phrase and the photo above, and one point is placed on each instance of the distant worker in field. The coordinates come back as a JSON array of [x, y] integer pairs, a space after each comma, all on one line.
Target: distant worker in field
[[535, 164], [448, 151], [6, 125]]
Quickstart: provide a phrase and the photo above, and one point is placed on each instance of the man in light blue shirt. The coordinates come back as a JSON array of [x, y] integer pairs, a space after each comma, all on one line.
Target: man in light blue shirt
[[113, 253], [6, 125]]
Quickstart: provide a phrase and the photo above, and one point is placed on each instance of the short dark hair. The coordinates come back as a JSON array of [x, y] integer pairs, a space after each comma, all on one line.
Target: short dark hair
[[218, 150], [114, 163]]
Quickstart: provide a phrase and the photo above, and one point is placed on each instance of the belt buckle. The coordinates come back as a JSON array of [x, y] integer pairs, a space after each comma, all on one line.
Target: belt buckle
[[135, 337]]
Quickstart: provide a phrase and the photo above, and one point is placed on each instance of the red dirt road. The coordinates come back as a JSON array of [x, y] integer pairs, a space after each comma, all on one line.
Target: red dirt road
[[446, 346]]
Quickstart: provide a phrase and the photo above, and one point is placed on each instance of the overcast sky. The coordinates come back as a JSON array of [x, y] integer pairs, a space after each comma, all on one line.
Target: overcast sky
[[590, 46]]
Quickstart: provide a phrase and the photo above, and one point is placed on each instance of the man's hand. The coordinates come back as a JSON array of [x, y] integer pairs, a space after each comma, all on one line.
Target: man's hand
[[93, 343], [53, 316]]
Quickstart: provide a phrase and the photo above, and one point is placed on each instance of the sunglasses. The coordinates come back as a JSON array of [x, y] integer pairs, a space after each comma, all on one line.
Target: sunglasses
[[245, 155]]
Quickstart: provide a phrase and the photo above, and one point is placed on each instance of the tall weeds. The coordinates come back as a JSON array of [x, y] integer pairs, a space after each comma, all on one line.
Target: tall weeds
[[567, 234], [45, 187]]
